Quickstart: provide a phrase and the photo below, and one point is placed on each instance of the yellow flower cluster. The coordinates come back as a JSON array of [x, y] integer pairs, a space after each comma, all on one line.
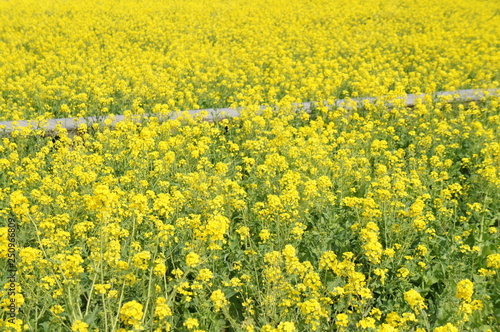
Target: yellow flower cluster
[[219, 300], [371, 246], [465, 290], [131, 313], [415, 300]]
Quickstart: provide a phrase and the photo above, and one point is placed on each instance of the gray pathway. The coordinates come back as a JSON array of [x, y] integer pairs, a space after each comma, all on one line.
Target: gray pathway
[[410, 100]]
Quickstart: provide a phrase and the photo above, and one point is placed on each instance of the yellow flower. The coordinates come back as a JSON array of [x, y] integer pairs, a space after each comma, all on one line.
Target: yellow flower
[[387, 328], [366, 323], [465, 289], [19, 203], [205, 275], [389, 252], [219, 300], [264, 235], [191, 323], [244, 232], [139, 202], [178, 273], [408, 317], [328, 260], [446, 328], [403, 272], [221, 168], [393, 319], [79, 326], [131, 313], [160, 268], [286, 327], [381, 273], [376, 313], [342, 320], [192, 259], [312, 280], [263, 200], [369, 236], [14, 325], [216, 227], [141, 260], [313, 311], [486, 272], [70, 265], [4, 242], [298, 230], [102, 288], [56, 309], [493, 261], [235, 282], [422, 249], [162, 310], [30, 256], [415, 300]]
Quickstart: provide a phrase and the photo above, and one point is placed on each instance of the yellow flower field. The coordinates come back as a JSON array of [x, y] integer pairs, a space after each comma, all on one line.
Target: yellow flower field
[[64, 58], [375, 219], [367, 219]]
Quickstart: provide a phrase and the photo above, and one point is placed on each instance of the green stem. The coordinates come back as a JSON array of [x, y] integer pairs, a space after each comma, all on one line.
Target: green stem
[[115, 321], [149, 293]]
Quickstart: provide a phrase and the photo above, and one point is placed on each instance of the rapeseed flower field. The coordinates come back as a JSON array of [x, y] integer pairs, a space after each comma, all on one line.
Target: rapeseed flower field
[[73, 58], [370, 218]]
